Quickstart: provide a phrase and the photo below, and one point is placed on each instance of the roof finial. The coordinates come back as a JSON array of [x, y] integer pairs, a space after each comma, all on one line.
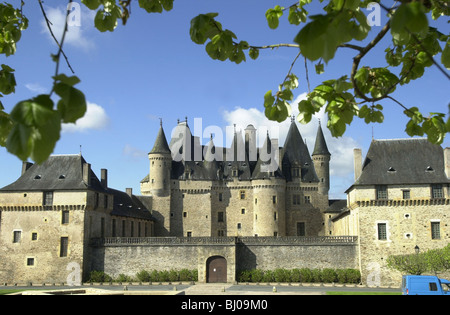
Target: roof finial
[[186, 119], [320, 123], [292, 118], [160, 122], [234, 128], [80, 149]]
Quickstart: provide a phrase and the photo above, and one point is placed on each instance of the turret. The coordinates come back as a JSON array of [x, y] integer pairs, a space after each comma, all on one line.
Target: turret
[[160, 166], [321, 157]]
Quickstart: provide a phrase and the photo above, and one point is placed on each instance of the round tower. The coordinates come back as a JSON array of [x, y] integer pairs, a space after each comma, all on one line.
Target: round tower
[[321, 158], [160, 166]]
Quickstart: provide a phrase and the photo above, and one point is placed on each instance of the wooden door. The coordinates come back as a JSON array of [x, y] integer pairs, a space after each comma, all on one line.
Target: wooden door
[[216, 270]]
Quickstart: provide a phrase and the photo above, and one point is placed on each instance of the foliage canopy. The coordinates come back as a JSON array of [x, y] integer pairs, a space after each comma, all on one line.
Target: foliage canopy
[[33, 127]]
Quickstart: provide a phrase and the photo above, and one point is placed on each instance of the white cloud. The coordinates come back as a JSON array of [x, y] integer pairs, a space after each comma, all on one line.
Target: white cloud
[[76, 35], [133, 152], [36, 88], [94, 119], [341, 166]]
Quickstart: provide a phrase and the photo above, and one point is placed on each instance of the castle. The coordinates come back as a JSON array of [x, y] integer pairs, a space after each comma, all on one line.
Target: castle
[[222, 210], [238, 191]]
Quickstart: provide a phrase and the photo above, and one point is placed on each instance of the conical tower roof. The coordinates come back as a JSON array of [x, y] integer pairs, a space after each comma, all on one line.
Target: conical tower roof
[[321, 147], [161, 145]]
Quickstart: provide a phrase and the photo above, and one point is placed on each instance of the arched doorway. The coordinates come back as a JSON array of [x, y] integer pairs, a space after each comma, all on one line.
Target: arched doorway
[[216, 270]]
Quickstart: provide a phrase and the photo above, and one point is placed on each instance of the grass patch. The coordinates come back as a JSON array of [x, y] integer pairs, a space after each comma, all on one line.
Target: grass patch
[[361, 293]]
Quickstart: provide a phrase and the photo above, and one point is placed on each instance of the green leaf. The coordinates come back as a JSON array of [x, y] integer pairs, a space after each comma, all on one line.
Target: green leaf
[[35, 130], [7, 80], [72, 105], [106, 19], [317, 40], [297, 16], [91, 4], [446, 56], [204, 27], [254, 53], [273, 16], [409, 17], [5, 127], [269, 99], [151, 6], [320, 68]]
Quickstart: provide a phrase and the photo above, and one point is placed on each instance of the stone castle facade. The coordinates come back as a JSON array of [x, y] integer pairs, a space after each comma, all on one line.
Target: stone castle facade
[[225, 210], [214, 191]]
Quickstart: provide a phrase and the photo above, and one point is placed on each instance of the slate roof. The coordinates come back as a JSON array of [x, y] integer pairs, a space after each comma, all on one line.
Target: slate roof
[[59, 172], [321, 147], [296, 154], [65, 173], [130, 207], [403, 162], [188, 156], [161, 145]]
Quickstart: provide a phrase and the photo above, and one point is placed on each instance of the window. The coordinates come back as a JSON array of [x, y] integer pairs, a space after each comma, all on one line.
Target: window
[[220, 217], [105, 201], [220, 197], [256, 201], [295, 172], [17, 237], [242, 194], [30, 262], [433, 286], [132, 229], [124, 226], [307, 199], [437, 191], [64, 247], [185, 214], [275, 216], [34, 236], [189, 234], [48, 199], [243, 211], [406, 194], [65, 217], [382, 192], [239, 226], [301, 229], [296, 199], [435, 230], [114, 228], [220, 233], [382, 231], [274, 199], [102, 227]]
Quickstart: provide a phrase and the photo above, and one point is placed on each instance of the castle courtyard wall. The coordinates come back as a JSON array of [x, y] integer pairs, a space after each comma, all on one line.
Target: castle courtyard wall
[[129, 256]]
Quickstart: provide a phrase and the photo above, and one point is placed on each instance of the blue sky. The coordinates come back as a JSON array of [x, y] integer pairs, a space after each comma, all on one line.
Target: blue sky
[[150, 69]]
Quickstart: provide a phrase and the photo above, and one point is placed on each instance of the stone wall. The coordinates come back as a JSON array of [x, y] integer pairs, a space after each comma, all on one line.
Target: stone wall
[[131, 255]]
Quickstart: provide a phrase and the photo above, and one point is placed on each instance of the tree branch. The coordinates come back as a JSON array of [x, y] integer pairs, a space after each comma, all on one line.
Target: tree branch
[[360, 56], [47, 21]]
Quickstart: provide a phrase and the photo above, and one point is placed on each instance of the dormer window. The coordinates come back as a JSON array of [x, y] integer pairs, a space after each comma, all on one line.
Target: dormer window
[[392, 170], [295, 172], [62, 177], [430, 169], [37, 177]]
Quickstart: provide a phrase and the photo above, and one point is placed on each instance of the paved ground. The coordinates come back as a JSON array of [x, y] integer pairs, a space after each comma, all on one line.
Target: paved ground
[[221, 289]]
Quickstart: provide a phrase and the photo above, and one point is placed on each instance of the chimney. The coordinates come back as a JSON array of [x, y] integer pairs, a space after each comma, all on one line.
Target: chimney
[[357, 154], [104, 178], [447, 161], [26, 166], [87, 173], [130, 192]]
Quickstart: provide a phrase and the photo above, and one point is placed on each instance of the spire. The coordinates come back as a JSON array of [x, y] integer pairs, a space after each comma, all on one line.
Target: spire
[[321, 147], [161, 145]]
